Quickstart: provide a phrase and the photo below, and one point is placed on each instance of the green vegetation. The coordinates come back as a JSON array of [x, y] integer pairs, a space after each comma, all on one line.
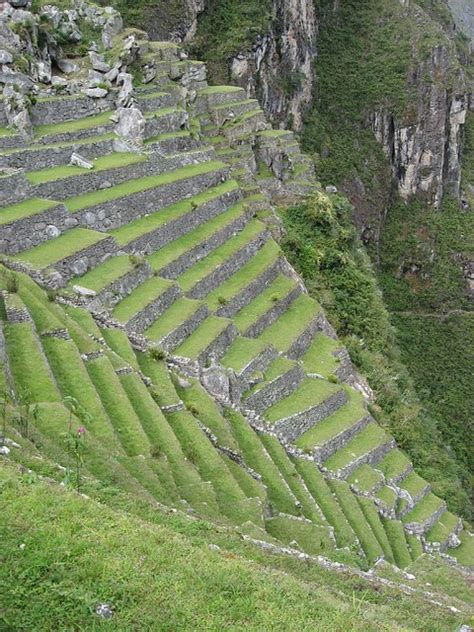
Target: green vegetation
[[311, 393], [368, 439], [292, 323], [106, 273], [202, 337], [177, 314], [241, 352], [30, 207], [141, 296], [89, 122]]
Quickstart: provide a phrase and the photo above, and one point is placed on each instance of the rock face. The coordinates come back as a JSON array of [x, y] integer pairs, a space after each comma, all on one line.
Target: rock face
[[424, 145], [279, 69]]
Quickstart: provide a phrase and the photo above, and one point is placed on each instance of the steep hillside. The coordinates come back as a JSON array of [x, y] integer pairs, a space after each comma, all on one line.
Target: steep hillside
[[160, 354]]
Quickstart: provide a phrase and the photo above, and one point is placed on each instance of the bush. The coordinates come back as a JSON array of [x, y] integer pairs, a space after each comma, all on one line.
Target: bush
[[13, 283]]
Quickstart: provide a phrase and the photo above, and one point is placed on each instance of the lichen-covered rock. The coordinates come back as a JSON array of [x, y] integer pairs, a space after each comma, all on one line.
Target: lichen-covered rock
[[130, 129]]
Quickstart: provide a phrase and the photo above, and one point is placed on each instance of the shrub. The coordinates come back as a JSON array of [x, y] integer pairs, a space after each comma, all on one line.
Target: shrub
[[157, 353], [13, 283]]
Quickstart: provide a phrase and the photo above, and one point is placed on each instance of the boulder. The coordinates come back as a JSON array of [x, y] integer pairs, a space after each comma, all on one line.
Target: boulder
[[125, 96], [5, 57], [67, 66], [79, 161], [96, 93], [98, 62], [130, 129], [58, 82]]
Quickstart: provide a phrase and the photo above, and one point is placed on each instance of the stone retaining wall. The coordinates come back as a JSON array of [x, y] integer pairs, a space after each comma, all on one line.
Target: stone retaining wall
[[277, 389], [164, 234], [174, 269], [14, 187], [372, 457], [69, 108], [339, 441], [89, 181], [30, 231], [219, 345], [155, 102], [10, 142], [185, 329], [116, 213], [259, 363], [293, 427], [113, 293], [164, 124], [34, 158], [78, 263], [419, 528], [229, 266], [251, 291], [147, 316], [304, 340], [76, 135], [277, 309]]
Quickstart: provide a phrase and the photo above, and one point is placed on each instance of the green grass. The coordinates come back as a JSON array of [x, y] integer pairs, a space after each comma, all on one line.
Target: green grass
[[88, 122], [55, 250], [345, 417], [140, 184], [292, 323], [202, 337], [372, 516], [413, 484], [209, 90], [369, 438], [30, 371], [106, 273], [45, 315], [158, 372], [118, 341], [465, 552], [260, 262], [310, 538], [415, 546], [177, 314], [319, 489], [443, 528], [387, 496], [357, 519], [141, 296], [103, 163], [311, 392], [319, 358], [252, 450], [396, 536], [216, 258], [119, 410], [139, 227], [241, 352], [178, 247], [365, 478], [424, 509], [393, 464], [33, 206]]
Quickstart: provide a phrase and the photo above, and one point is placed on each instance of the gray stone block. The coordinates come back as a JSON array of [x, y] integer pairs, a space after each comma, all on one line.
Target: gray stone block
[[113, 293], [277, 389], [276, 310], [147, 316], [184, 330]]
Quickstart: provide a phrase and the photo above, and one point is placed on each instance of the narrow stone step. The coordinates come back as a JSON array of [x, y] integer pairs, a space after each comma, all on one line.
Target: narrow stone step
[[145, 304], [212, 338], [309, 404], [281, 378], [30, 223], [369, 446], [220, 264], [71, 254], [118, 205], [55, 110], [153, 232], [334, 432], [178, 322]]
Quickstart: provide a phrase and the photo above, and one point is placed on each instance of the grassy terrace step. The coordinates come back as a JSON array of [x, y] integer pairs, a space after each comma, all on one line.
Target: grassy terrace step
[[215, 259], [298, 317], [163, 389], [310, 538], [195, 238], [212, 467], [258, 459], [310, 393], [365, 478], [414, 485], [319, 358], [104, 163], [241, 353], [372, 516], [265, 258], [423, 510], [78, 125], [30, 371], [50, 252], [398, 543], [447, 524], [394, 465], [348, 415], [118, 341], [356, 518], [28, 208], [369, 438], [465, 552], [387, 497], [251, 313], [138, 185], [41, 147], [202, 337], [128, 233], [176, 316], [324, 497], [141, 296], [104, 274]]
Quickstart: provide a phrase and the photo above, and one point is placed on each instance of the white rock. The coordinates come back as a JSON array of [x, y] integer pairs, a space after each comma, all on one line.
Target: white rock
[[112, 74], [67, 66], [58, 82], [98, 62], [331, 189], [83, 291], [5, 57], [130, 129], [4, 451], [79, 161], [96, 93]]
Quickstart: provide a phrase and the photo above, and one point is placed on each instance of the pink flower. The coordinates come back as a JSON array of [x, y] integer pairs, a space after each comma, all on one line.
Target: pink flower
[[81, 431]]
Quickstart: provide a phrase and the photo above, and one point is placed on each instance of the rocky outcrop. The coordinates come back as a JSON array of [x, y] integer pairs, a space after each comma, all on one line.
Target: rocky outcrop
[[279, 69], [424, 144]]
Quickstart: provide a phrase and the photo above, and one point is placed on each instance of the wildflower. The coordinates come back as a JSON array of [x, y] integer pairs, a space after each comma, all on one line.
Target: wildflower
[[81, 431]]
